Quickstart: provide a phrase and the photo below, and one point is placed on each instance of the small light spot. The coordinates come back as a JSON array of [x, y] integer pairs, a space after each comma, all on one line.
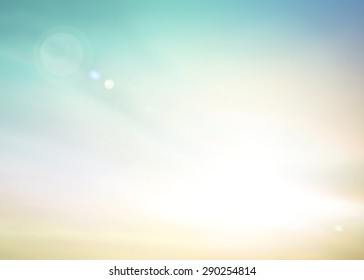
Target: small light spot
[[94, 75], [338, 228], [109, 84]]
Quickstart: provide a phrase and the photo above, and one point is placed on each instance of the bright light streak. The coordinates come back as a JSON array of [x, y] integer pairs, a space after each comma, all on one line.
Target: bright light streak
[[249, 186], [250, 205]]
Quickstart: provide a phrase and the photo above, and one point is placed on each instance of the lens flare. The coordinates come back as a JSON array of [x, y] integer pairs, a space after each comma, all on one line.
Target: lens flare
[[109, 84], [63, 54], [94, 75]]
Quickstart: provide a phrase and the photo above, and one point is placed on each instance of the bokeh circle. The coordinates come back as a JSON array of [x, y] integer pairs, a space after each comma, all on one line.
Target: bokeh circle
[[63, 54]]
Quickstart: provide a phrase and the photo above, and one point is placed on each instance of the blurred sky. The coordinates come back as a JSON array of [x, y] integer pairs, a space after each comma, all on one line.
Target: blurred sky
[[217, 129]]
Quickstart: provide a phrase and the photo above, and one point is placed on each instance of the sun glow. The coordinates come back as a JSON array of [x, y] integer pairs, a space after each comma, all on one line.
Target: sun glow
[[251, 184]]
